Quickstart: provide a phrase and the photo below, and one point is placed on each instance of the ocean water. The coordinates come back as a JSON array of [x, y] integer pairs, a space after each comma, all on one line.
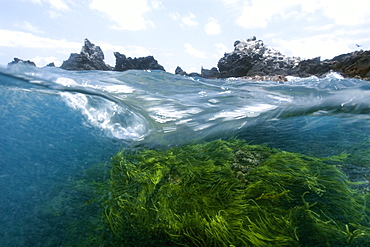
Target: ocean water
[[55, 124]]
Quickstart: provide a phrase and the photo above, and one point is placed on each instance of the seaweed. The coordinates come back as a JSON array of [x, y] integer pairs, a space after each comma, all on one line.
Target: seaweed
[[219, 193], [228, 193]]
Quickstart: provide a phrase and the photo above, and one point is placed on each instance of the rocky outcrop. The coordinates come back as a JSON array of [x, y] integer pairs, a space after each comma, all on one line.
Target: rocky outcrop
[[179, 71], [91, 57], [355, 64], [205, 73], [21, 61], [124, 63], [309, 67], [252, 58], [210, 73]]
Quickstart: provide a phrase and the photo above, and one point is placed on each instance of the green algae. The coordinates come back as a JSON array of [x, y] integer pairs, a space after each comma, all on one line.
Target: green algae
[[228, 193], [220, 193]]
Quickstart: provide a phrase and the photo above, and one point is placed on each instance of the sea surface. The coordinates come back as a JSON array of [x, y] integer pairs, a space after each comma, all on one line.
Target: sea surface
[[55, 124]]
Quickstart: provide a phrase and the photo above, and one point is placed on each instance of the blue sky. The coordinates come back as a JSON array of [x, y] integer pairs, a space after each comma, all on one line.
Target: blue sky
[[189, 34]]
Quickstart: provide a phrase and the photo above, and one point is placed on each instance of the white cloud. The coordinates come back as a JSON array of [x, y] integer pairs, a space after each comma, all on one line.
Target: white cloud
[[58, 5], [186, 20], [212, 27], [129, 51], [128, 15], [259, 13], [43, 61], [194, 52], [36, 1], [10, 38], [230, 2], [157, 4], [343, 12], [320, 27], [221, 49], [175, 16], [189, 20], [325, 46], [28, 27]]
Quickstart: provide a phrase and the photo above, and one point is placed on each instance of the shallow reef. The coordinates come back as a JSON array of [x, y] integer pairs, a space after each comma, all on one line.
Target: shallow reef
[[228, 193]]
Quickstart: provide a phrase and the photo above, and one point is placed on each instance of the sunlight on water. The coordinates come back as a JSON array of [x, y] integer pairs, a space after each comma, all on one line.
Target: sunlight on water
[[54, 124]]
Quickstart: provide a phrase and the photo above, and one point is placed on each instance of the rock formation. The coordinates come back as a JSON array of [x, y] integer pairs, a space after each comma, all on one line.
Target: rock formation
[[252, 59], [143, 63], [210, 73], [17, 60], [355, 64], [180, 71], [205, 73], [91, 57]]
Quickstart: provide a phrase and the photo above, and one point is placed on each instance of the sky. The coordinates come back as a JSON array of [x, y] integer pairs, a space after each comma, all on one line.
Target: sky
[[188, 33]]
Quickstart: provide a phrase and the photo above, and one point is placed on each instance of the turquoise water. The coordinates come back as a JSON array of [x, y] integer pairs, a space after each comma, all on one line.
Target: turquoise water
[[54, 124]]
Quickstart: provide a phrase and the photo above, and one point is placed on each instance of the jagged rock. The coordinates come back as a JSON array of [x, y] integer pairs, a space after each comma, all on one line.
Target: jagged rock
[[50, 64], [180, 71], [310, 67], [26, 62], [143, 63], [91, 57], [252, 58], [210, 73], [355, 64]]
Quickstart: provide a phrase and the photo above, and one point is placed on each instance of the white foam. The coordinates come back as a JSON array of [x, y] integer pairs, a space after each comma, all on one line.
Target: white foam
[[168, 113], [67, 82], [106, 115], [243, 112], [119, 89]]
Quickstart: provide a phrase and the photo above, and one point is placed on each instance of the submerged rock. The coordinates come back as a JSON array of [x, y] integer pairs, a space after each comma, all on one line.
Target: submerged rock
[[228, 193], [124, 63], [91, 57], [220, 193], [21, 61]]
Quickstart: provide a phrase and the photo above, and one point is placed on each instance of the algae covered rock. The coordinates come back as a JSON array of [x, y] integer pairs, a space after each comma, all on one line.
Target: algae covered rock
[[228, 193]]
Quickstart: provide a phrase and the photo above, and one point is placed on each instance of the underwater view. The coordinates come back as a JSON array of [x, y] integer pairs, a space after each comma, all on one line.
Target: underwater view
[[149, 158]]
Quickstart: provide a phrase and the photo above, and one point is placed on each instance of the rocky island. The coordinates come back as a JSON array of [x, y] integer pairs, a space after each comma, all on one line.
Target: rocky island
[[251, 58], [91, 57]]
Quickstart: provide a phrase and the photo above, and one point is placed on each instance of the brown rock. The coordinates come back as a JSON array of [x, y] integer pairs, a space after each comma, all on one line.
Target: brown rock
[[355, 64]]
